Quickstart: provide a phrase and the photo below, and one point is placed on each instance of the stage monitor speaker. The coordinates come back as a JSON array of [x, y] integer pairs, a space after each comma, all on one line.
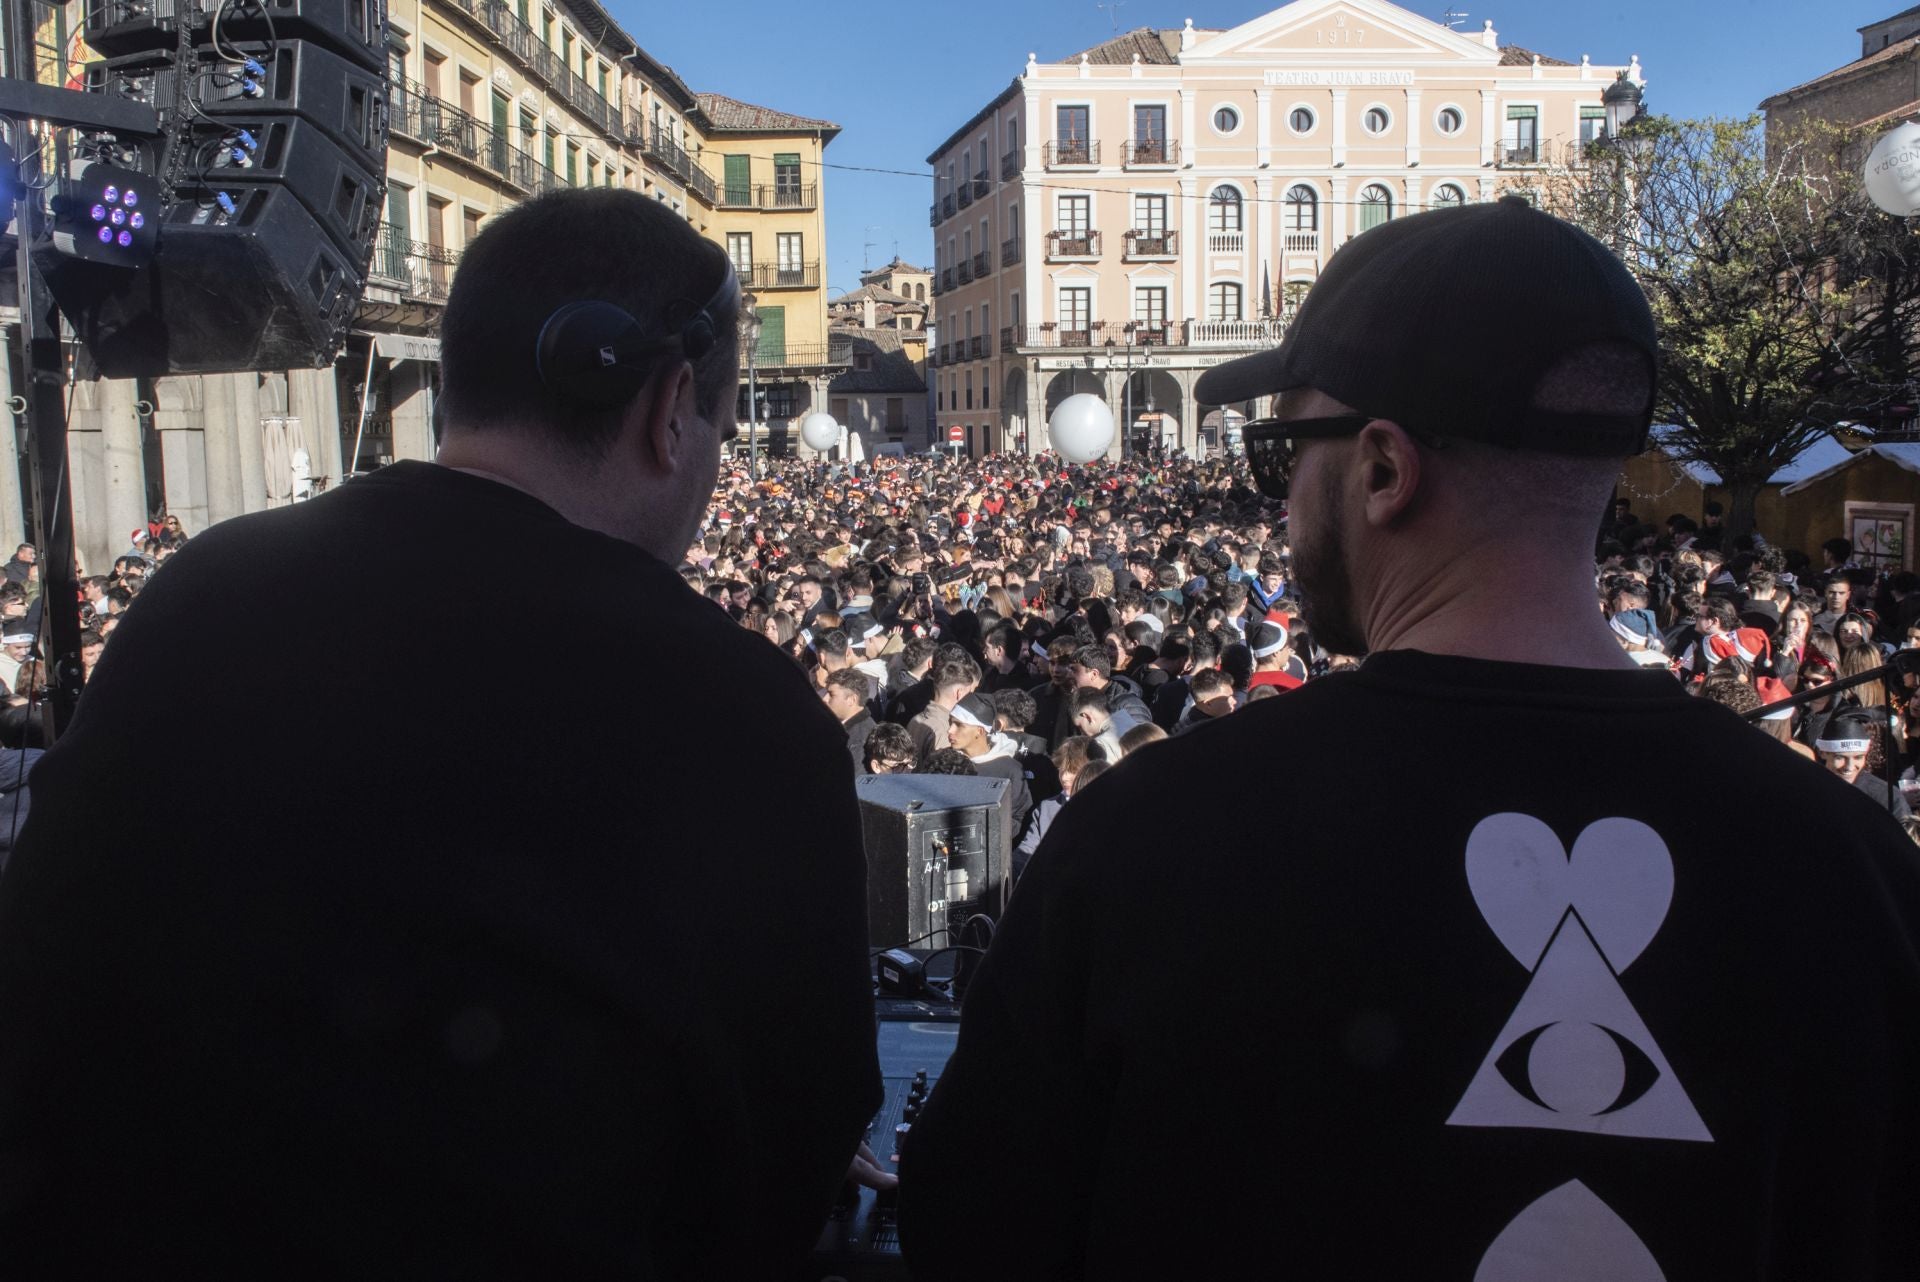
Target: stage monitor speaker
[[346, 102], [290, 152], [354, 29], [269, 290], [938, 850]]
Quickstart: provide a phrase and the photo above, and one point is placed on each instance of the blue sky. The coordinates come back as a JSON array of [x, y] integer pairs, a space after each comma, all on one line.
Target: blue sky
[[900, 75]]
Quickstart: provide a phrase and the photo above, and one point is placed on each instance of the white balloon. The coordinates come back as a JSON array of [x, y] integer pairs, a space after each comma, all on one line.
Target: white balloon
[[1081, 428], [820, 431], [1893, 171]]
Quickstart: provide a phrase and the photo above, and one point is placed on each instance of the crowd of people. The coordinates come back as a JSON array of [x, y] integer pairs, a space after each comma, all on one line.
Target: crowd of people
[[1035, 620]]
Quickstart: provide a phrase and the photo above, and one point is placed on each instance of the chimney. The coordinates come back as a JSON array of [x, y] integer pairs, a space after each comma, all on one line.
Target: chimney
[[866, 310]]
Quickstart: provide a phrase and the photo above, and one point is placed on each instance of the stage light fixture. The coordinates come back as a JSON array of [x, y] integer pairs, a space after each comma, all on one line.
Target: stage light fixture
[[93, 217]]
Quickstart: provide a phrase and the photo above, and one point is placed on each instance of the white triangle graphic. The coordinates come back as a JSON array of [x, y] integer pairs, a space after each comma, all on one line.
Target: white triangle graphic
[[1587, 1058], [1568, 1235]]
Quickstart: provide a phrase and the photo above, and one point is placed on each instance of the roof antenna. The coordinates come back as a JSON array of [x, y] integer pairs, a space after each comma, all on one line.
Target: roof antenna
[[1453, 17], [1113, 8]]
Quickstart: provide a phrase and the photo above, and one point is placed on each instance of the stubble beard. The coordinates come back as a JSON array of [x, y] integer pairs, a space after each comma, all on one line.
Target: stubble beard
[[1320, 569]]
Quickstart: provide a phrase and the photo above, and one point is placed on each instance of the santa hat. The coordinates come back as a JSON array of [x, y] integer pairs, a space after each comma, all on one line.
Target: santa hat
[[1749, 645], [1772, 691], [1845, 735], [1266, 639]]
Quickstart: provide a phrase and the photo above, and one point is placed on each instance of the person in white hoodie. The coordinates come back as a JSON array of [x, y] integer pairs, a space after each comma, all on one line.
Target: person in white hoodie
[[971, 729]]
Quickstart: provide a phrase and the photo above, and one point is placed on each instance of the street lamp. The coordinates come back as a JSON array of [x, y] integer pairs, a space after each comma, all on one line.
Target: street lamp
[[1622, 101], [750, 335]]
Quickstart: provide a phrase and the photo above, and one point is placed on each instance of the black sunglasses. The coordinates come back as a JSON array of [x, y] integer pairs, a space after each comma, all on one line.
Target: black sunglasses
[[1270, 448], [1270, 445]]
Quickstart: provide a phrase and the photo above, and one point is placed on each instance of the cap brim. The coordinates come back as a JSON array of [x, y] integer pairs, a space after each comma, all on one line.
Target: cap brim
[[1260, 374]]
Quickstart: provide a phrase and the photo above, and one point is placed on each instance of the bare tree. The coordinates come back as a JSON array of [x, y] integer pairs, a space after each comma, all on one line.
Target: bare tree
[[1786, 301]]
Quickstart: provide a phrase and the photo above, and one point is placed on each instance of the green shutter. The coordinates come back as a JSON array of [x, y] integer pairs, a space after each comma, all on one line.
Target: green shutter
[[573, 165], [1593, 113], [739, 180], [395, 250], [499, 115], [1523, 113], [787, 158], [772, 348], [549, 151]]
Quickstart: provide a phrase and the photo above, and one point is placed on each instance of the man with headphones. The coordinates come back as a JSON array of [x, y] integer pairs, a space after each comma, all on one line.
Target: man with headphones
[[410, 971]]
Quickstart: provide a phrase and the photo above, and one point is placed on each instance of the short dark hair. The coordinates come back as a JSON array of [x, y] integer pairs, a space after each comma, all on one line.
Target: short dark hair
[[599, 244], [1094, 659], [949, 761], [1721, 611], [889, 742]]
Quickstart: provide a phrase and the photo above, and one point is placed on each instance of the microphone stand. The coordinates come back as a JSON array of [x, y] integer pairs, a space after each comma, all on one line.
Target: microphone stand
[[1904, 663]]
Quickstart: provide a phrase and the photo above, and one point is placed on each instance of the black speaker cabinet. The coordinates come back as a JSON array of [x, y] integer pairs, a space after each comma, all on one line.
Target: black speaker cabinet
[[938, 850], [354, 29], [268, 291], [292, 152]]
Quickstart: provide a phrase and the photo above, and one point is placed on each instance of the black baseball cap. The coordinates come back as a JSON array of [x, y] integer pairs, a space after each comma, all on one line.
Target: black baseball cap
[[1445, 323]]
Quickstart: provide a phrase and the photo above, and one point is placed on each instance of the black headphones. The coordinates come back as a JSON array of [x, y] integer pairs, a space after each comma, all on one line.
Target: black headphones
[[597, 354]]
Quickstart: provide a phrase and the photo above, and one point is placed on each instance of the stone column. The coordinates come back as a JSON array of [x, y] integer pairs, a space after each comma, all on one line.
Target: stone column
[[249, 452], [13, 507], [1189, 411], [125, 468], [313, 397], [412, 410], [218, 427], [1113, 386], [179, 414]]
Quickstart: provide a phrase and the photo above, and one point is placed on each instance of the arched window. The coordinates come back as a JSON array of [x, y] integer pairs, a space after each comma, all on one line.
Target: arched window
[[1376, 206], [1224, 210], [1303, 208], [1224, 302], [1448, 196]]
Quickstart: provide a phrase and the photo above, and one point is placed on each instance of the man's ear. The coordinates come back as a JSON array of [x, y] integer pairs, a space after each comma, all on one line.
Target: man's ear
[[1389, 465], [658, 420]]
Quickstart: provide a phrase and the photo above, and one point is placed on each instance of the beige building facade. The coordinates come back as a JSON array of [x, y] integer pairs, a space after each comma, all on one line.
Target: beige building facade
[[1122, 220], [490, 102]]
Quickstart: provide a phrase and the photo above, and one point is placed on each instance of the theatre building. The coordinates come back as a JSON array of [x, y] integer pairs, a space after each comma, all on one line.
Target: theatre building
[[1119, 220]]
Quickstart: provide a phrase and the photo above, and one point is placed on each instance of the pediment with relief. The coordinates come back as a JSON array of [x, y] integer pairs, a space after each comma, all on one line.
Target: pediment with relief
[[1340, 29]]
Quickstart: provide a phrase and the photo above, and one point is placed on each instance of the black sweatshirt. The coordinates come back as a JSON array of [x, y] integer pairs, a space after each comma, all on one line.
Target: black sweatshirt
[[382, 915], [1378, 1023]]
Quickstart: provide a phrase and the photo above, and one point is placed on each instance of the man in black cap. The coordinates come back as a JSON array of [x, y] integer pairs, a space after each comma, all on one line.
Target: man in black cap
[[1501, 1005]]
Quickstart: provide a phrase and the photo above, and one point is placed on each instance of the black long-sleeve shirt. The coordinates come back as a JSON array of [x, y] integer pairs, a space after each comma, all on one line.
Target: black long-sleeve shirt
[[379, 916], [1509, 1002]]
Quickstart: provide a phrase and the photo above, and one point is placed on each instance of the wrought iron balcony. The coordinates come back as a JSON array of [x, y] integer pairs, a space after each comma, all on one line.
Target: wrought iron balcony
[[1009, 338], [965, 271], [982, 265], [1009, 252], [1073, 245], [776, 354], [946, 205], [769, 196], [946, 279], [966, 193], [1150, 153], [1150, 333], [414, 268], [412, 112], [1152, 244], [782, 276], [933, 214], [977, 346], [982, 186], [1520, 155], [1010, 164], [1070, 153]]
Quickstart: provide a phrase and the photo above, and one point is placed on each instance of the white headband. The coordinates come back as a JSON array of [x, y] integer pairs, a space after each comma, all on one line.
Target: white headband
[[1848, 746], [966, 718], [1651, 642], [1261, 652]]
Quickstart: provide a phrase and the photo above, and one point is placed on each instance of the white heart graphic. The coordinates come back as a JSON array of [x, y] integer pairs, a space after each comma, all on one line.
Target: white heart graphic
[[1619, 878]]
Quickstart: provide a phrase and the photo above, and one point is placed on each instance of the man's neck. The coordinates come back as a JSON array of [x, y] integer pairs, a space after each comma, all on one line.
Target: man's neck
[[1455, 608]]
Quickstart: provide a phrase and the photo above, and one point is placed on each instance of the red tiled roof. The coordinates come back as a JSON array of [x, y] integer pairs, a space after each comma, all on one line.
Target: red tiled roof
[[731, 115], [1879, 57], [1515, 56]]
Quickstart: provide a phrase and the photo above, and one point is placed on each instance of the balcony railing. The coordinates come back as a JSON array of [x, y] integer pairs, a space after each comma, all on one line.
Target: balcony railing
[[769, 196], [1009, 252], [775, 354], [1152, 244], [938, 288], [982, 265], [1073, 244], [1070, 152], [946, 205], [965, 271], [414, 113], [782, 276], [662, 149], [966, 193], [1149, 153], [1226, 242], [701, 184], [977, 346], [498, 19], [1301, 242], [412, 267], [1240, 333], [1521, 154], [933, 214], [1116, 337], [982, 185], [1010, 164], [946, 279]]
